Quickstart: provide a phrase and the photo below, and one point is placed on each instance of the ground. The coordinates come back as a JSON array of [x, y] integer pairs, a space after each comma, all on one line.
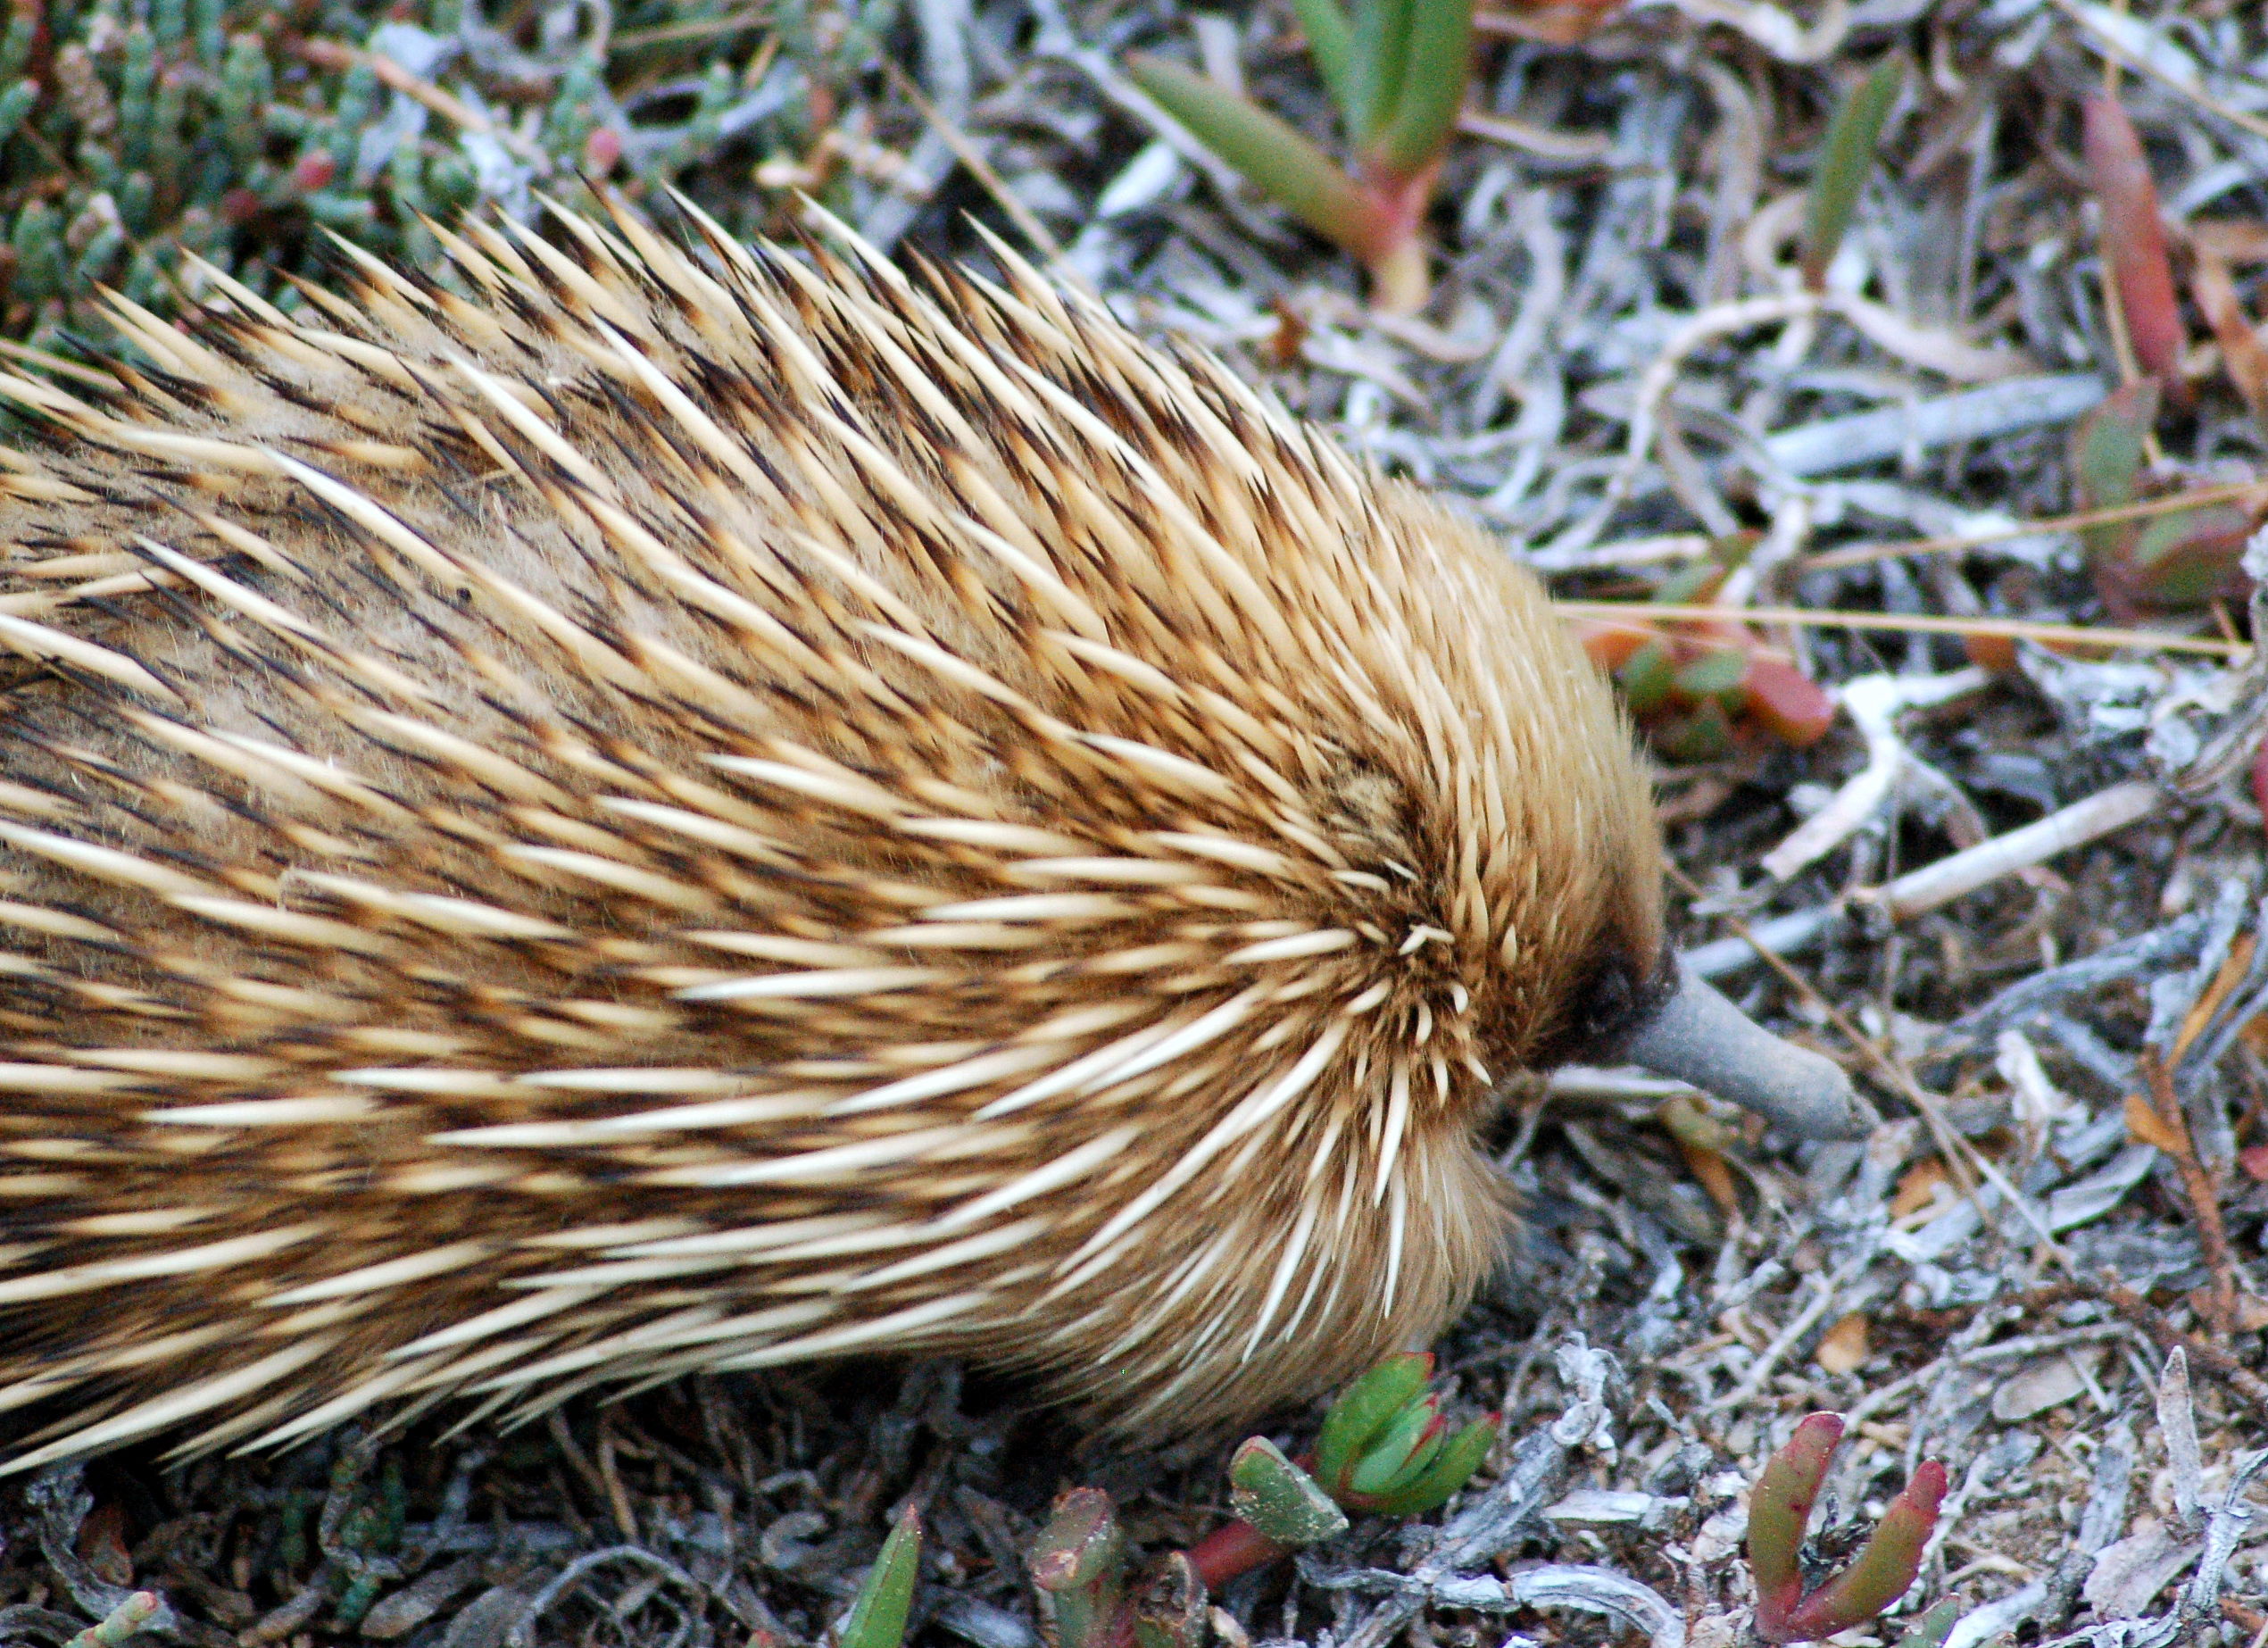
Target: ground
[[1618, 373]]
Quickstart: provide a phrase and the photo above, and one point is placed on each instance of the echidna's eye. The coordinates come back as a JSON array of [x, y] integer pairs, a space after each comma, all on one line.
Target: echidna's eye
[[1608, 1008], [1618, 999]]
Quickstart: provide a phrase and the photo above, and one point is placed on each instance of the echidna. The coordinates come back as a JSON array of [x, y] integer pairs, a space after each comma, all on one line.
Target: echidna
[[700, 808]]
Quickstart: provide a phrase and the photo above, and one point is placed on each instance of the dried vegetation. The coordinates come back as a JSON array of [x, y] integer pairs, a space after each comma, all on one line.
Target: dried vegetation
[[2020, 888]]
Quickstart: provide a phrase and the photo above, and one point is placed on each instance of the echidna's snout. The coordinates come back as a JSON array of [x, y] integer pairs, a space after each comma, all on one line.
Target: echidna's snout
[[1697, 1035]]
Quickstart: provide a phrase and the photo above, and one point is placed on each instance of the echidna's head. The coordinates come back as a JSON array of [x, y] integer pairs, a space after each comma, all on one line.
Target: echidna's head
[[1546, 852]]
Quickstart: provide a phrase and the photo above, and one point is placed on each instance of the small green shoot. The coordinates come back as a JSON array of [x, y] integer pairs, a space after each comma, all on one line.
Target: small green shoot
[[1278, 1498], [1780, 1505], [1846, 160], [1397, 70], [1386, 1448], [122, 1624], [885, 1601], [1079, 1565], [1366, 1407]]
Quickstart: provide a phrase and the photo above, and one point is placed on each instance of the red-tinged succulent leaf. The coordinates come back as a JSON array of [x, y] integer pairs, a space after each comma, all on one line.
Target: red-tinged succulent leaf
[[1884, 1567], [1079, 1564], [1170, 1605], [1787, 703], [2134, 242], [1397, 261], [1401, 1452], [1779, 1506], [1610, 643], [1278, 1498], [2243, 354], [1377, 213], [1081, 1543], [2186, 559], [1996, 652], [2254, 1158], [315, 170]]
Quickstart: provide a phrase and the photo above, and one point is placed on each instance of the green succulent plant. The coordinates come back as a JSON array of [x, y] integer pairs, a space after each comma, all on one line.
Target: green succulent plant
[[1397, 71]]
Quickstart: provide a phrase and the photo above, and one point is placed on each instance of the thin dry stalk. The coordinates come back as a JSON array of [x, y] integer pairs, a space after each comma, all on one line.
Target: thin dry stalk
[[2199, 1182]]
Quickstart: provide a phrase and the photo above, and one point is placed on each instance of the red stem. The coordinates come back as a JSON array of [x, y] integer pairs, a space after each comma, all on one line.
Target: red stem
[[1234, 1548]]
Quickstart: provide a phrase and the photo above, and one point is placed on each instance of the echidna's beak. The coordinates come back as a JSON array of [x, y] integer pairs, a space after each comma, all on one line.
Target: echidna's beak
[[1697, 1035]]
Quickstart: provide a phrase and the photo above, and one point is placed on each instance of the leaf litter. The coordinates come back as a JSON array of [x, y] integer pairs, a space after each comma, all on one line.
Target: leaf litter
[[2018, 889]]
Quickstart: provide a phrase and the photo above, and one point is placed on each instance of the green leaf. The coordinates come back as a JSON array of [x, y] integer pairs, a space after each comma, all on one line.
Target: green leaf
[[1846, 160], [878, 1617], [1452, 1470], [1277, 1498], [15, 103], [1717, 673], [2106, 452], [1932, 1629], [1381, 55], [1437, 64], [1403, 1449], [1704, 735], [1331, 43], [1694, 584], [1365, 1408], [1648, 677], [1278, 160]]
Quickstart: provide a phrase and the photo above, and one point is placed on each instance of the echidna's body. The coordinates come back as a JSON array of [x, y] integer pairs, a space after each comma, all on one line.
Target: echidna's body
[[689, 815]]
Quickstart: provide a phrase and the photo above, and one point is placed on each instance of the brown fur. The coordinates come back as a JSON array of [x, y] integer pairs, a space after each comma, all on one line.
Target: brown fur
[[695, 811]]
